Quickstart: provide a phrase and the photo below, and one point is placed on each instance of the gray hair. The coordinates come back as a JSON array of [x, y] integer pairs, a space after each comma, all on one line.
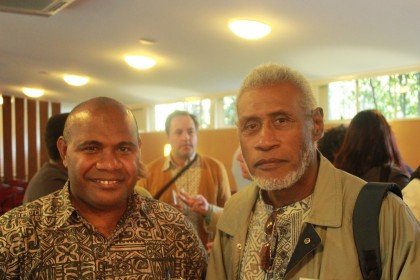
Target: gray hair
[[272, 74]]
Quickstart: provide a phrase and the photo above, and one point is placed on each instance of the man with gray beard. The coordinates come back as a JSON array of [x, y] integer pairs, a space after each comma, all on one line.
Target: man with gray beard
[[295, 222]]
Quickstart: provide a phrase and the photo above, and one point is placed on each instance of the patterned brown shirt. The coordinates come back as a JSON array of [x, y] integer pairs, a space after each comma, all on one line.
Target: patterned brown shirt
[[48, 239]]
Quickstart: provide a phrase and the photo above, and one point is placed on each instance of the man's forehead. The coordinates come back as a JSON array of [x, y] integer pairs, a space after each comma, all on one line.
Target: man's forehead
[[181, 121], [264, 114]]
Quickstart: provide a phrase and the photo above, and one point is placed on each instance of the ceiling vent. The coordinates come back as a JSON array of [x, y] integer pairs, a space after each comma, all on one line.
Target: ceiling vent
[[34, 7]]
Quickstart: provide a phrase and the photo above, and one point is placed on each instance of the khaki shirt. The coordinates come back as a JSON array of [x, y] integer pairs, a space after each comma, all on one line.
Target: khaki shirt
[[326, 248]]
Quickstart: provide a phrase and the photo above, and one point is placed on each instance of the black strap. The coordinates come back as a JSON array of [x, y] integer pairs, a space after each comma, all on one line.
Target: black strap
[[167, 185], [366, 227]]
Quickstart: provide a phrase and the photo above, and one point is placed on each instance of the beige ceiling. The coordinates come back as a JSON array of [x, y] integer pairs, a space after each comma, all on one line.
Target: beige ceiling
[[197, 54]]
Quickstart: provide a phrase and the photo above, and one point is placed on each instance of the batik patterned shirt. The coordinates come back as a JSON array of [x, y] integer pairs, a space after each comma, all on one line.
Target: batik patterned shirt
[[188, 182], [49, 239], [287, 228]]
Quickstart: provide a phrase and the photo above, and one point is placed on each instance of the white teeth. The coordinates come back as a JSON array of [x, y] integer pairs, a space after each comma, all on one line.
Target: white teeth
[[106, 182]]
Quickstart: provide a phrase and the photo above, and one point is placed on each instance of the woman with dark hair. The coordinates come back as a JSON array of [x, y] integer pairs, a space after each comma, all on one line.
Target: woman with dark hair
[[370, 152]]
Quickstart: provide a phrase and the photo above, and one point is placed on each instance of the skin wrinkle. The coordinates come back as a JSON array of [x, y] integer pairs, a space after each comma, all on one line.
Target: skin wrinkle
[[278, 137]]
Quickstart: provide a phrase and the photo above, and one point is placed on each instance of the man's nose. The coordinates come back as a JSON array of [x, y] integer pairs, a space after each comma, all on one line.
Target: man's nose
[[186, 136], [267, 137], [108, 160]]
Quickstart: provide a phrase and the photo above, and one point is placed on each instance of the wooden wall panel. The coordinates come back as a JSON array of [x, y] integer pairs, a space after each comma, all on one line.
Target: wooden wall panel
[[32, 136], [55, 108], [20, 138], [7, 139], [43, 118]]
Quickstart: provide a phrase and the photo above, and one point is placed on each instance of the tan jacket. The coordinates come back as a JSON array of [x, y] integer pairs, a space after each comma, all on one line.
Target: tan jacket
[[326, 248], [214, 184]]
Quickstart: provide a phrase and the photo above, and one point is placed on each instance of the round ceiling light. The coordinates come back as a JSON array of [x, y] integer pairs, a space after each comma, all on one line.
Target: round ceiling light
[[75, 80], [140, 62], [249, 29], [33, 92]]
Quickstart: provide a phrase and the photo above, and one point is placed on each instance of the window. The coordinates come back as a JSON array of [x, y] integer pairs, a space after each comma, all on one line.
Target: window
[[229, 111], [396, 96], [200, 108]]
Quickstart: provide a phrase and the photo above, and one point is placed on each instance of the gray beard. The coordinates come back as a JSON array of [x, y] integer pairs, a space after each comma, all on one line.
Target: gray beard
[[271, 184]]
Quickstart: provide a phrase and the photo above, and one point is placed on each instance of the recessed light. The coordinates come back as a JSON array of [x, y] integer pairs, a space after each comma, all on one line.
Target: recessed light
[[140, 62], [145, 41], [33, 92], [249, 29], [75, 80]]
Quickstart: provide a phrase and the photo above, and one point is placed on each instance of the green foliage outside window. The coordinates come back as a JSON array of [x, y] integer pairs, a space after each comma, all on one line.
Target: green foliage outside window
[[396, 96], [229, 110]]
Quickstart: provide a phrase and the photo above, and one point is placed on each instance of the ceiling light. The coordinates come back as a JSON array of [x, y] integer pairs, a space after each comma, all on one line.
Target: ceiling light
[[75, 80], [249, 29], [140, 62], [147, 42], [1, 99], [33, 92]]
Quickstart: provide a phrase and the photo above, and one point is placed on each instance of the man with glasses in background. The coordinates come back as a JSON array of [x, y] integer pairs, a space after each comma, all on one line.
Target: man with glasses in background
[[295, 222]]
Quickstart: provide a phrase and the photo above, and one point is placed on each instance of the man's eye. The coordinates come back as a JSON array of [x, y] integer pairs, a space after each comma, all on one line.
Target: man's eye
[[280, 120], [125, 149], [90, 148], [250, 127]]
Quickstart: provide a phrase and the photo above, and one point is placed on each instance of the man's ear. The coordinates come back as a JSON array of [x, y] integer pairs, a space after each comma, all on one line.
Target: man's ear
[[318, 119], [62, 148], [139, 141]]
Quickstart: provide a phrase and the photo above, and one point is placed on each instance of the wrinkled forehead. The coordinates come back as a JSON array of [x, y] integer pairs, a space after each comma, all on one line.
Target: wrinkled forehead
[[275, 97]]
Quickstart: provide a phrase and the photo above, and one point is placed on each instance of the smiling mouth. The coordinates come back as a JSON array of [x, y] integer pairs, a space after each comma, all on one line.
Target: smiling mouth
[[106, 182]]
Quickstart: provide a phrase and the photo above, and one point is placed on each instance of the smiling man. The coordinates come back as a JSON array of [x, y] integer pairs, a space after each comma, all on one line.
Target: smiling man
[[295, 222], [96, 227], [201, 178]]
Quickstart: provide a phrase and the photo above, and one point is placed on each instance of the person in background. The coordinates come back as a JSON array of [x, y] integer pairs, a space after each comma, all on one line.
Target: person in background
[[96, 227], [53, 174], [294, 221], [369, 150], [198, 203], [331, 142], [239, 170], [201, 176], [411, 193]]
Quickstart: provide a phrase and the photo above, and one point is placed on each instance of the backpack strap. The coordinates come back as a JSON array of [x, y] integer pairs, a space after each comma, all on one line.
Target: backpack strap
[[366, 227]]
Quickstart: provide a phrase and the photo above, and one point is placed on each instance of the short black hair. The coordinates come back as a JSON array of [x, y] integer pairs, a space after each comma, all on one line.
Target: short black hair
[[331, 142], [179, 113], [53, 131]]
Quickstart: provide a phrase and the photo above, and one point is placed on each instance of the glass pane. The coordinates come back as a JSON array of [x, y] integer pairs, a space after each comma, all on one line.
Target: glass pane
[[342, 100], [229, 110], [200, 108], [396, 96]]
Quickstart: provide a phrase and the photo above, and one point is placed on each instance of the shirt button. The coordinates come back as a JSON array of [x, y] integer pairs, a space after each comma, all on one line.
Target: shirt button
[[239, 246], [307, 240]]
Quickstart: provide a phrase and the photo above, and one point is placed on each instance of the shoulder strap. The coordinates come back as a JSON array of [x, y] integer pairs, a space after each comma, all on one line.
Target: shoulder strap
[[168, 184], [366, 226]]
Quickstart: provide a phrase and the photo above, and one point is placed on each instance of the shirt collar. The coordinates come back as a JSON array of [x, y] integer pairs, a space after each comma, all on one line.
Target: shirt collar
[[169, 163], [64, 206], [66, 210]]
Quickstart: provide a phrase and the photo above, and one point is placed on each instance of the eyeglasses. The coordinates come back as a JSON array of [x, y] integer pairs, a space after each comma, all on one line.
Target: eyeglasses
[[267, 253]]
